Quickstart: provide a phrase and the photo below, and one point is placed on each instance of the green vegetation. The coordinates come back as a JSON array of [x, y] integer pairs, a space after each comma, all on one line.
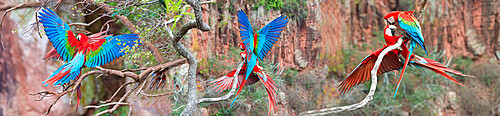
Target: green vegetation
[[121, 111], [271, 4]]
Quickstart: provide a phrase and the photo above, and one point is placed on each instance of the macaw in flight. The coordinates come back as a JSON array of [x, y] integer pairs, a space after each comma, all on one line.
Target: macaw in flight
[[411, 28], [258, 44], [391, 62], [224, 83], [79, 51]]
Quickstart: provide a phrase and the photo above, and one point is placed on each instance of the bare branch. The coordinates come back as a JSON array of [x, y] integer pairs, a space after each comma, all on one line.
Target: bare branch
[[191, 106], [157, 95], [108, 104], [162, 67], [101, 70], [117, 104], [92, 22], [117, 91], [21, 6]]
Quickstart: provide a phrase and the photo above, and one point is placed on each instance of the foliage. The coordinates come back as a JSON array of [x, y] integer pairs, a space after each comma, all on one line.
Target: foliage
[[121, 111], [223, 112], [271, 4], [295, 9]]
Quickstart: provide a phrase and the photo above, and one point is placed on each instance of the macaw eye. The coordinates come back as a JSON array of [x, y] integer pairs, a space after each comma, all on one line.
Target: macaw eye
[[391, 20], [78, 37]]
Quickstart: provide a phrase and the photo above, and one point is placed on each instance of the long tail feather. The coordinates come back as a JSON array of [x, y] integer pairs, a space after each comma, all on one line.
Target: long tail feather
[[238, 93], [402, 73], [270, 88], [438, 68], [67, 72], [78, 96]]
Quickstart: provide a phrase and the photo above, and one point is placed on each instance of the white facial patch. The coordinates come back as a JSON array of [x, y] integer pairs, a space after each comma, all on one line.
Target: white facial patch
[[388, 31], [392, 27], [391, 19]]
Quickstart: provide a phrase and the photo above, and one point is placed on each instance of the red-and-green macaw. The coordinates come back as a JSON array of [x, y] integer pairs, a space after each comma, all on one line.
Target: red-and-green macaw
[[224, 83], [258, 44], [81, 50], [411, 27], [52, 54], [391, 62]]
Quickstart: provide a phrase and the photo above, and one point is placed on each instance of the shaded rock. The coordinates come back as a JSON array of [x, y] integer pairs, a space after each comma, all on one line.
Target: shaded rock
[[299, 59]]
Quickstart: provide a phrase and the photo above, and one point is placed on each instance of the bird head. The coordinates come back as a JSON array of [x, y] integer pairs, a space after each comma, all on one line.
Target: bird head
[[242, 46], [390, 34], [390, 30], [391, 17], [82, 37]]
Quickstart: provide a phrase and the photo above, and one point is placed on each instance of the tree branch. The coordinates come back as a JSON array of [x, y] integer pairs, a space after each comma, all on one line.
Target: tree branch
[[191, 106], [21, 6], [137, 78]]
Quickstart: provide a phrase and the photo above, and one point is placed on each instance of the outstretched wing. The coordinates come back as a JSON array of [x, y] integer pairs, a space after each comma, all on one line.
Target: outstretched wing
[[106, 50], [225, 82], [59, 34], [269, 35], [52, 54], [362, 72], [411, 26], [246, 32]]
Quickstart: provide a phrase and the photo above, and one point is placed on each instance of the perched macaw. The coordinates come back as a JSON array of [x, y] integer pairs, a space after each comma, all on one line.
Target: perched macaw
[[81, 50], [224, 83], [258, 44], [411, 27], [391, 62]]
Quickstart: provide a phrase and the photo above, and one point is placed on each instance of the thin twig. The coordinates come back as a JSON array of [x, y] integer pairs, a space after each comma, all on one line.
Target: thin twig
[[117, 91], [157, 95]]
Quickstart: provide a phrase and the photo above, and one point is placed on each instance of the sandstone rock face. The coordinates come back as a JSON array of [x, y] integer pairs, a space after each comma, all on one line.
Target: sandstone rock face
[[22, 69], [468, 28], [459, 27]]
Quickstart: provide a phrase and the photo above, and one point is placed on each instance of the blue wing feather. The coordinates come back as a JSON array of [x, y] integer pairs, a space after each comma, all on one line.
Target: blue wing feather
[[58, 33], [413, 30], [246, 32], [111, 49], [269, 34]]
